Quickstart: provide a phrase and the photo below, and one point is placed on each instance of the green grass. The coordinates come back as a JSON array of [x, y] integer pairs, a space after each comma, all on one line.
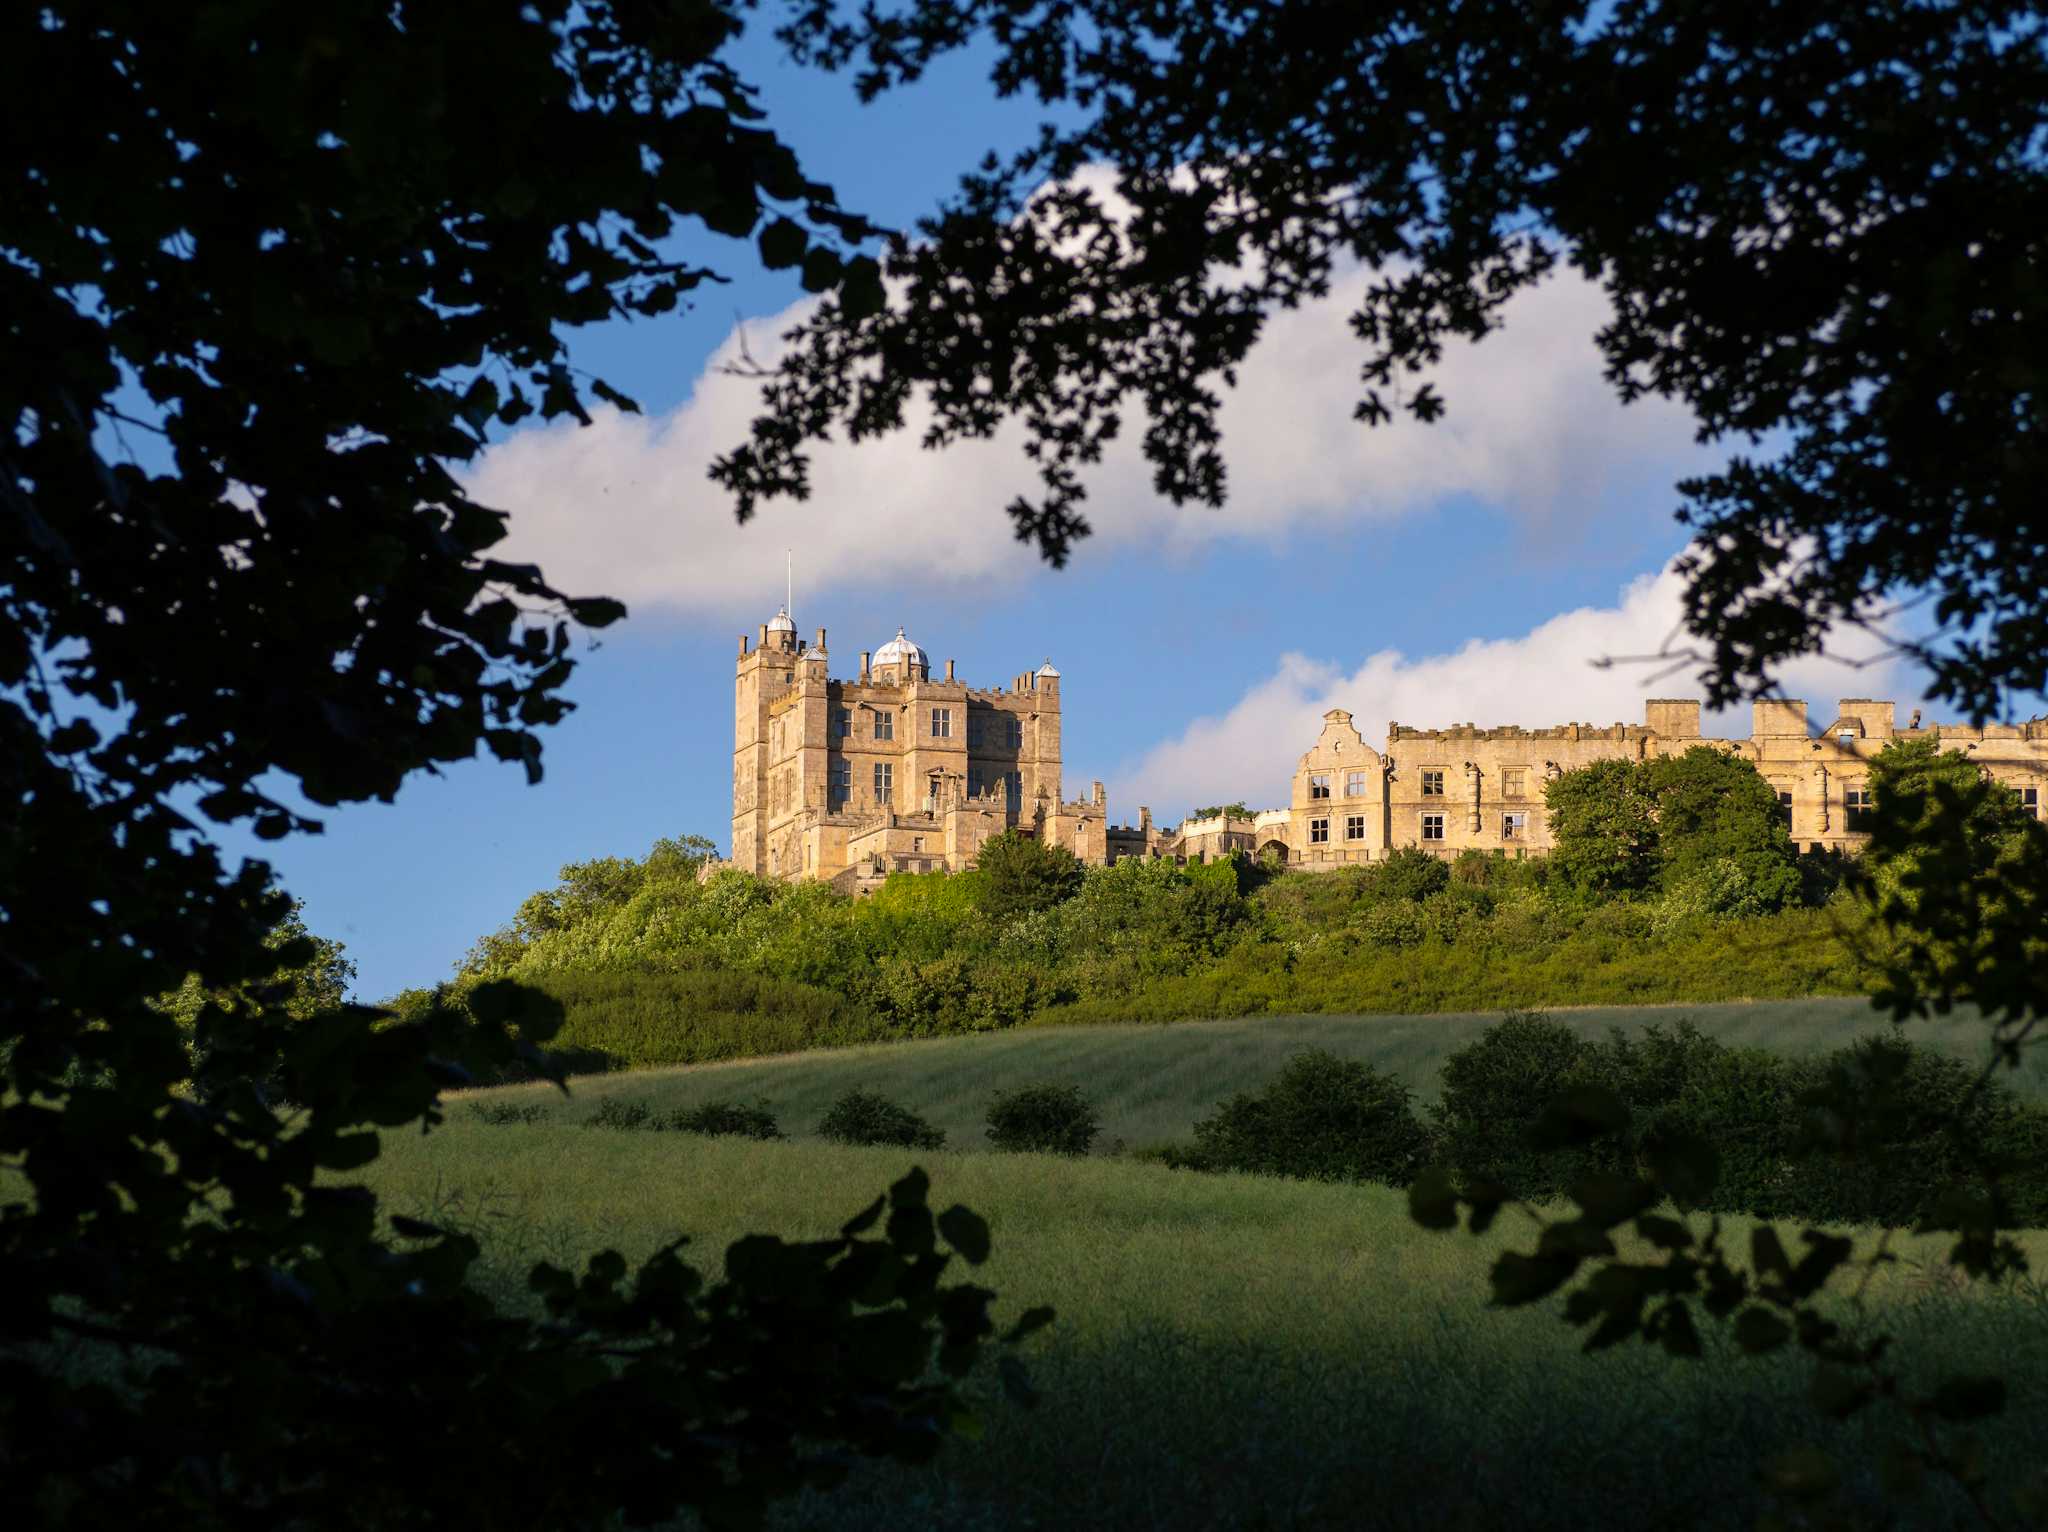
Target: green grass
[[1234, 1352], [1153, 1081]]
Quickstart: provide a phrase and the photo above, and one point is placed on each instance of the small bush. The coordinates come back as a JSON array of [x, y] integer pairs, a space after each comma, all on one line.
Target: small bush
[[1495, 1089], [723, 1119], [1409, 873], [505, 1114], [1324, 1119], [867, 1117], [1043, 1119], [615, 1113]]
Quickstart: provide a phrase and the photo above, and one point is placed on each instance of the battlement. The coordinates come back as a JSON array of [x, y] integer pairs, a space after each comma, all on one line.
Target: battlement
[[1398, 733], [1012, 701]]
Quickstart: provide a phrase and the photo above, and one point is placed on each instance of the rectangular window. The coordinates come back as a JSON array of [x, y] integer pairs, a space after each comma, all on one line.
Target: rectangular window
[[2030, 800], [1513, 781], [841, 783], [1013, 733], [1856, 802], [843, 721], [942, 723], [1354, 784], [885, 725], [1847, 737], [1514, 827], [1433, 826], [973, 783], [917, 843], [885, 781], [1785, 808], [1432, 784], [1319, 785], [1015, 783], [1354, 827], [1319, 831]]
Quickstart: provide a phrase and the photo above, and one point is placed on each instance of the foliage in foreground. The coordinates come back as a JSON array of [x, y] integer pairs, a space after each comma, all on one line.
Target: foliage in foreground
[[272, 273]]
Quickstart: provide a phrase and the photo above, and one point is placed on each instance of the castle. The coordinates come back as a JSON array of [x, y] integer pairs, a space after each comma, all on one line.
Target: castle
[[850, 780], [1465, 788]]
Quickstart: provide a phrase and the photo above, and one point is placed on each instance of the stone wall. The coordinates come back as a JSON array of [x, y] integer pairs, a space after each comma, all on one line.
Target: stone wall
[[1463, 788]]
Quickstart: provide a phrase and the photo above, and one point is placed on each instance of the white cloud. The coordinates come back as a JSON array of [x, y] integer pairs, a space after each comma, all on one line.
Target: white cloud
[[1543, 678], [623, 507]]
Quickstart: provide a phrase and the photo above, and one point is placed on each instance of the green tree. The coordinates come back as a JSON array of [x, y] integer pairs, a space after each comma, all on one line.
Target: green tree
[[1021, 875], [1718, 820], [1234, 810], [1408, 873], [270, 274], [312, 981], [1603, 821]]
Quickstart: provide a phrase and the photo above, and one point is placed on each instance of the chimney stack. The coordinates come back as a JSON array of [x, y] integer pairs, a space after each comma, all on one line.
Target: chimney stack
[[865, 655], [764, 636], [1144, 818], [821, 639], [949, 670], [743, 646]]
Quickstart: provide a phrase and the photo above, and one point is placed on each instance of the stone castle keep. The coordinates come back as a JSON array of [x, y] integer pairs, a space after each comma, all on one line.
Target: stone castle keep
[[851, 780], [893, 771]]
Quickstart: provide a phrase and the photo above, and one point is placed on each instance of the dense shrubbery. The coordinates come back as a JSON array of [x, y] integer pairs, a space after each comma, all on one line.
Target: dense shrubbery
[[1875, 1133], [868, 1117], [1674, 881], [1324, 1119], [1042, 1119], [653, 967], [1878, 1133]]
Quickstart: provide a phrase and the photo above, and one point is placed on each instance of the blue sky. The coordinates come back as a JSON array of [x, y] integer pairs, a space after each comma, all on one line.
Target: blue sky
[[1468, 572]]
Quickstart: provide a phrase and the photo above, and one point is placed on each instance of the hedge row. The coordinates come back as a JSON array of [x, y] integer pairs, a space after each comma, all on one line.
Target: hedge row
[[1875, 1133]]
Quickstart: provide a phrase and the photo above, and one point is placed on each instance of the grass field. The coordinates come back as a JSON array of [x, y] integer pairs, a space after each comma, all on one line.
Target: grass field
[[1231, 1352], [1153, 1081]]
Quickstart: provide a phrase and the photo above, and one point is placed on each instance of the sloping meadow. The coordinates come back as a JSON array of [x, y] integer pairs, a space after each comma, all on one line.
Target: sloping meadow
[[1236, 1351]]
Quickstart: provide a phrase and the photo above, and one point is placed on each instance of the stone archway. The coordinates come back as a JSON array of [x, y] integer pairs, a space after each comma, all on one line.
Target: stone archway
[[1276, 850]]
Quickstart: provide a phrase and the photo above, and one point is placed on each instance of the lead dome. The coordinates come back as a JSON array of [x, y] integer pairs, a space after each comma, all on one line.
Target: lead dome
[[900, 651], [781, 622]]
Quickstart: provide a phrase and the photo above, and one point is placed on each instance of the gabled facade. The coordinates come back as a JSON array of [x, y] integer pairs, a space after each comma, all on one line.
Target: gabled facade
[[1465, 788]]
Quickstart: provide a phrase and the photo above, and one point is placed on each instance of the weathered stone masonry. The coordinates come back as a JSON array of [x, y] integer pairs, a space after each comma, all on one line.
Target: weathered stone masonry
[[893, 771], [1466, 788]]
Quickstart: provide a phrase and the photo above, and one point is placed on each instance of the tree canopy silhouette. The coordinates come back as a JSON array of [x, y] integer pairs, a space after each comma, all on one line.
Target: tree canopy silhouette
[[268, 275], [1820, 225]]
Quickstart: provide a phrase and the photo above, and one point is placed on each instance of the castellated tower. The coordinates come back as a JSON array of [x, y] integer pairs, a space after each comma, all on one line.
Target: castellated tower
[[894, 769], [766, 673]]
